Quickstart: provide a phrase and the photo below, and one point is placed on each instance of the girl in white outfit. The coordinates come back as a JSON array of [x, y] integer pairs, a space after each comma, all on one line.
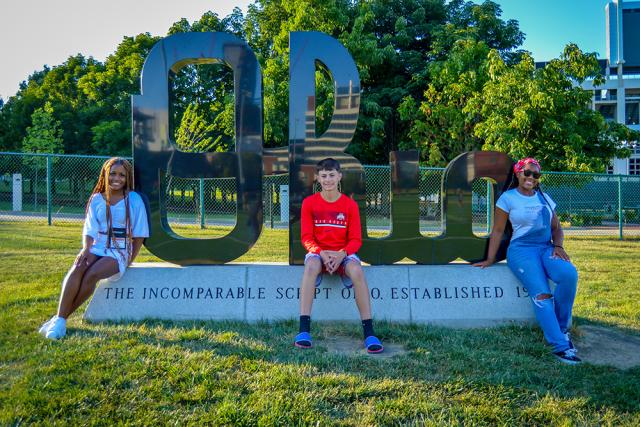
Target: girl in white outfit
[[114, 228]]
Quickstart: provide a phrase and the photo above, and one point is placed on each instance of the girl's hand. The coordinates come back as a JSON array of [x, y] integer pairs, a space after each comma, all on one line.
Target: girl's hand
[[82, 258], [484, 264], [559, 252]]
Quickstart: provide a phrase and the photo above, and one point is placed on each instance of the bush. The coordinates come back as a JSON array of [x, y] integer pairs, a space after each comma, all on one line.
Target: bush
[[629, 216], [596, 220]]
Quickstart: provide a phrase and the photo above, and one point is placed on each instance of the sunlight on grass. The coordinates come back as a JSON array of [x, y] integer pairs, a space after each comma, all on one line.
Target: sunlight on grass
[[156, 372]]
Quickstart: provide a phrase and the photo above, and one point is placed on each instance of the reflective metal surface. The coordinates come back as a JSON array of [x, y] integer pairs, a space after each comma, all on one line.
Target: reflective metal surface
[[305, 147], [457, 240], [157, 157], [405, 239]]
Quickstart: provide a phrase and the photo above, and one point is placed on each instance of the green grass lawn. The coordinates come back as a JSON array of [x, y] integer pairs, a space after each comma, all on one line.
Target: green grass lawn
[[233, 373]]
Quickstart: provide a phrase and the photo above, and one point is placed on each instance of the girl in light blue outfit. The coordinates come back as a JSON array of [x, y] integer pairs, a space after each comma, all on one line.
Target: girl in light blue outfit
[[536, 255]]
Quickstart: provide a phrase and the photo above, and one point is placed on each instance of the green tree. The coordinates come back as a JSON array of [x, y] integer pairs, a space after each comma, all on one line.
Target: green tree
[[393, 44], [546, 114], [207, 87], [441, 76], [45, 133], [479, 100], [194, 134], [15, 115], [107, 90], [112, 137], [43, 136], [442, 125]]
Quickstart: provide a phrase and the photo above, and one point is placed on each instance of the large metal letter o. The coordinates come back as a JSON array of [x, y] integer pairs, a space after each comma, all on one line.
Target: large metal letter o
[[157, 157]]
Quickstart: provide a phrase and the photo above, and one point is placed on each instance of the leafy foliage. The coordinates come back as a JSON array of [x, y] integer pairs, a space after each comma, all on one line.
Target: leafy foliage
[[193, 135], [44, 135], [440, 76], [476, 100]]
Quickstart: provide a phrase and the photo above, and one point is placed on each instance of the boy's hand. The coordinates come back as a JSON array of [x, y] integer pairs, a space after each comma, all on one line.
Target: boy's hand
[[327, 260], [335, 258]]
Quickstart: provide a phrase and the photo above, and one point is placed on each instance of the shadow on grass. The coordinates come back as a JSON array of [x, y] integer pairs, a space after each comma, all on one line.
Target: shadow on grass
[[510, 356]]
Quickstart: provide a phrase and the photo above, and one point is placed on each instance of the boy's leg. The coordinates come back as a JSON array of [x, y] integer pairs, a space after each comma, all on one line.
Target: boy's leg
[[312, 267], [353, 269], [360, 287]]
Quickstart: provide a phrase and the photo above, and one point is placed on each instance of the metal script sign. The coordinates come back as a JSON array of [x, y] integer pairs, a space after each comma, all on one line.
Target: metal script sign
[[157, 157]]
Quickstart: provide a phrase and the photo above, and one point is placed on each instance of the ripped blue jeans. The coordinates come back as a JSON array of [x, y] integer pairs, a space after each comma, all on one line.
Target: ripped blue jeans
[[533, 265]]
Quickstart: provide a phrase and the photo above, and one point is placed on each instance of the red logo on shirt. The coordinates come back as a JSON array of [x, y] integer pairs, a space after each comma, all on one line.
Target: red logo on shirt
[[329, 219]]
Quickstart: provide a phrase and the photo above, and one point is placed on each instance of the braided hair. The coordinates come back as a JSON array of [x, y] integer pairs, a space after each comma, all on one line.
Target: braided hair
[[102, 187]]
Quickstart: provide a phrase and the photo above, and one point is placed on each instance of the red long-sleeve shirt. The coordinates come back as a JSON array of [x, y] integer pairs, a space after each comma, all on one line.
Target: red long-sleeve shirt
[[332, 226]]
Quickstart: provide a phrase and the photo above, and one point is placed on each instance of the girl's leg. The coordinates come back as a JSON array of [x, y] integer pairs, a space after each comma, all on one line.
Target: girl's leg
[[71, 285], [101, 269], [360, 287], [565, 276], [526, 264], [312, 267]]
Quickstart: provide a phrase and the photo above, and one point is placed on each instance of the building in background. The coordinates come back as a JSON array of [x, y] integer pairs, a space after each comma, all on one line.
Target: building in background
[[619, 98]]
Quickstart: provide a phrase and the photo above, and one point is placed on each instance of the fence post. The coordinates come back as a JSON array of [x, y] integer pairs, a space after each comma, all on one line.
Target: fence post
[[488, 207], [35, 189], [202, 203], [620, 206], [272, 189], [49, 190]]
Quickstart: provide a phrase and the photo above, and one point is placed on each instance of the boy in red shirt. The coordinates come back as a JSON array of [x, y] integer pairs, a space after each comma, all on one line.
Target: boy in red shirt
[[331, 234]]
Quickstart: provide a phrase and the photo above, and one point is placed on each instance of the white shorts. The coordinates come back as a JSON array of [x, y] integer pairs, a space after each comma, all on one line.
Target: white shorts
[[346, 281]]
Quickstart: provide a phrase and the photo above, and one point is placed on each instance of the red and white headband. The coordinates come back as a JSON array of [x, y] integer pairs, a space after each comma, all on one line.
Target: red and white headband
[[519, 166]]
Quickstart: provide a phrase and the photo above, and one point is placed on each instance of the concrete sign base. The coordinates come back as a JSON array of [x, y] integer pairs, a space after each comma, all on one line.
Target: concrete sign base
[[455, 295]]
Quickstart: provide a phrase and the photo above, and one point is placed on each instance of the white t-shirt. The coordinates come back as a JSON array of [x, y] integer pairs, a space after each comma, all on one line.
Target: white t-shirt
[[96, 226], [525, 211]]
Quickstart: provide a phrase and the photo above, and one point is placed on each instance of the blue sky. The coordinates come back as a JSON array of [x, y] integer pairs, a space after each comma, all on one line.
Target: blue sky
[[39, 32], [550, 24]]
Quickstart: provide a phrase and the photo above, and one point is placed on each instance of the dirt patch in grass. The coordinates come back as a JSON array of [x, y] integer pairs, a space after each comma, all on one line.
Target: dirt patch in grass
[[353, 347], [604, 346]]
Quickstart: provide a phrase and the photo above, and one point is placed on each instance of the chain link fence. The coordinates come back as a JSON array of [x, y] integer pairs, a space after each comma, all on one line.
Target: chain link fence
[[595, 204], [55, 188]]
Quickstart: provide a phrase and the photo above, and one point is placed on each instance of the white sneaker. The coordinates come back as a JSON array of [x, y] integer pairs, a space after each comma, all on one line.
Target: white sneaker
[[46, 325], [58, 329]]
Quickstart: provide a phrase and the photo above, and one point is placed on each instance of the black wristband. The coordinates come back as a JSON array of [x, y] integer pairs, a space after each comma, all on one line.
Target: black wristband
[[558, 246]]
